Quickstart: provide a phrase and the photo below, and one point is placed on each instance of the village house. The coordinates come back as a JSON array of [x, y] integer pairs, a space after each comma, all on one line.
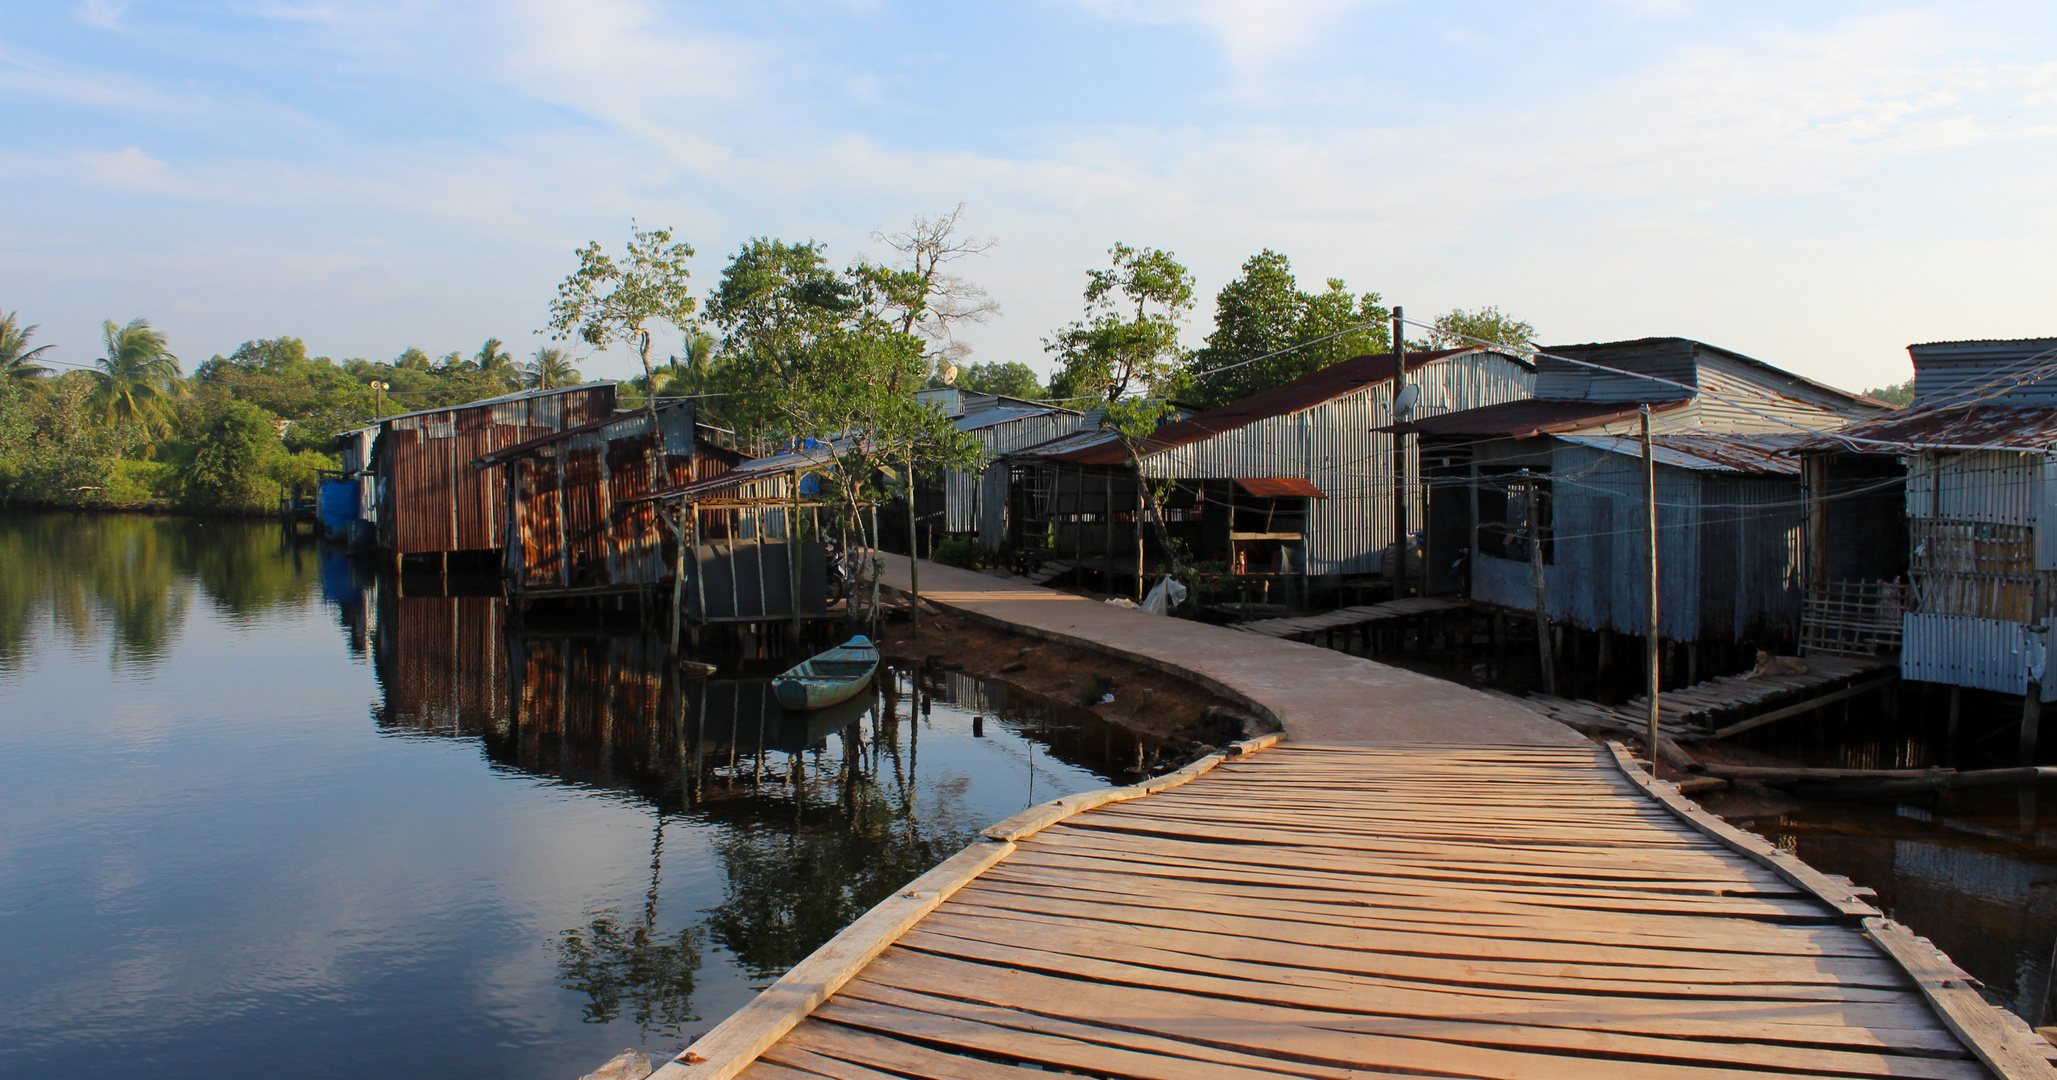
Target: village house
[[1279, 486], [1544, 497], [1933, 529], [428, 499], [973, 502]]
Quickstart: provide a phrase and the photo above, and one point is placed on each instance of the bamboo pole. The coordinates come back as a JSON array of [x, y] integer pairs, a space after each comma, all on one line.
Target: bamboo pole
[[1650, 538]]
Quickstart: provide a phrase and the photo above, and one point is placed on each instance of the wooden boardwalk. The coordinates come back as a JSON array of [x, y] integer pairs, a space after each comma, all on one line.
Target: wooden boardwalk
[[1517, 912], [1349, 616], [1724, 706]]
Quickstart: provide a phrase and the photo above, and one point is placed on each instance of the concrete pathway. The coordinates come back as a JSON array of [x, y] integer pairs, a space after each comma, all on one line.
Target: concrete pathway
[[1318, 694]]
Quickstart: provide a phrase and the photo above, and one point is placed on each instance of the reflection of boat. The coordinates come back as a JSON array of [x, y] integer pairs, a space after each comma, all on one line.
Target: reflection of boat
[[836, 675]]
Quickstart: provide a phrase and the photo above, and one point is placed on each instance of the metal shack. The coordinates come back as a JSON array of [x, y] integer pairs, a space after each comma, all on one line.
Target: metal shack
[[974, 502], [756, 542], [1958, 493], [1289, 482], [577, 520], [429, 499], [349, 495], [1553, 487]]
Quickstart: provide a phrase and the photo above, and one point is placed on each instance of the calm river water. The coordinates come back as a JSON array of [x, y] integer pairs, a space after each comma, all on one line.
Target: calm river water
[[260, 814]]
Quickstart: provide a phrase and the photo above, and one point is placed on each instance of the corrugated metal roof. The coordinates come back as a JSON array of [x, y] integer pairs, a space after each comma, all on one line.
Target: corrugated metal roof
[[1005, 414], [1764, 454], [757, 469], [1978, 427], [1585, 352], [1302, 393], [1279, 487], [1525, 419], [517, 449], [518, 395]]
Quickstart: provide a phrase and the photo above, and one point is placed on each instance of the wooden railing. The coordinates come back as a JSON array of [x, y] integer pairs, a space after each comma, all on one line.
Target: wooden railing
[[1852, 618]]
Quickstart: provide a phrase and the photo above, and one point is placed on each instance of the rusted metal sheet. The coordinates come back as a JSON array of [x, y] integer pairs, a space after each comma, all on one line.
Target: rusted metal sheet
[[1279, 487], [584, 506], [538, 523]]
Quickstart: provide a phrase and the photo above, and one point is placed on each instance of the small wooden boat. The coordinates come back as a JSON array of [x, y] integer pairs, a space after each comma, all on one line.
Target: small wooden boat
[[694, 669], [836, 675]]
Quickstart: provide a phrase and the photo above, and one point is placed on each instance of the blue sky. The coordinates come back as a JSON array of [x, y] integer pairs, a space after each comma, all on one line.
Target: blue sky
[[1815, 184]]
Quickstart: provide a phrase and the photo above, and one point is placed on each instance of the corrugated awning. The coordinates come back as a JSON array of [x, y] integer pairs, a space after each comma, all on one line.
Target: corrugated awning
[[1279, 487]]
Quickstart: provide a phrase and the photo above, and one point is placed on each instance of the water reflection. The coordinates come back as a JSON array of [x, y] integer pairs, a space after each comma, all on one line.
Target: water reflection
[[806, 820], [1977, 875]]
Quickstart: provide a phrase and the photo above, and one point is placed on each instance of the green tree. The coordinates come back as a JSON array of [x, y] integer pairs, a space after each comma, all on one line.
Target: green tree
[[69, 454], [230, 459], [414, 360], [1010, 379], [1128, 340], [606, 301], [1268, 332], [1461, 329], [1125, 351], [17, 359], [550, 368], [495, 363], [138, 377], [1899, 395]]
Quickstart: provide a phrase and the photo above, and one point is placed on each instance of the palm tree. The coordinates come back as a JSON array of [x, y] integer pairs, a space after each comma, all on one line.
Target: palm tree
[[494, 362], [17, 360], [138, 377], [551, 368], [691, 373]]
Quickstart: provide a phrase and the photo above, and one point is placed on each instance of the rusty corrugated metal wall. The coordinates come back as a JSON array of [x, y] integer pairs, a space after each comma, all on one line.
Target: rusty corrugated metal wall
[[434, 500]]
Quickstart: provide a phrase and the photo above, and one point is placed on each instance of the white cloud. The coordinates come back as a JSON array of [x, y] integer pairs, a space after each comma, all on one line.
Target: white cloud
[[1254, 34], [105, 14]]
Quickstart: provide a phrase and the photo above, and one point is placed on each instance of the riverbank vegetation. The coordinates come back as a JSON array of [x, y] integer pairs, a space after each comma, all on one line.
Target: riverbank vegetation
[[785, 348]]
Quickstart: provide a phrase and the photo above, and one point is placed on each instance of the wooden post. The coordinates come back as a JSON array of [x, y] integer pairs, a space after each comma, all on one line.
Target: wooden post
[[2031, 719], [913, 550], [1107, 509], [1139, 540], [1650, 537], [1397, 554], [678, 573], [1535, 571], [1950, 732], [793, 560]]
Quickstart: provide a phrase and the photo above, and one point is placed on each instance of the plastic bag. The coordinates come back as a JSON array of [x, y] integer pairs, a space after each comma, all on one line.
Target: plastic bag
[[1167, 595]]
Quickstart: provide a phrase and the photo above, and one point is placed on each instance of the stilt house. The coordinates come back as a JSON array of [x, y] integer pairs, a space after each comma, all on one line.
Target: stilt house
[[973, 502], [1933, 529], [429, 499], [1286, 483], [1545, 497]]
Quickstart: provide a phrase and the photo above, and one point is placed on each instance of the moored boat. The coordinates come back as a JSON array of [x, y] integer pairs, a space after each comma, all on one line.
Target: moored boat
[[836, 675]]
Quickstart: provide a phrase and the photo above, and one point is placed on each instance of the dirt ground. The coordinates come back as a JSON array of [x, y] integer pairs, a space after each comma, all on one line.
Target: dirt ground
[[1145, 699]]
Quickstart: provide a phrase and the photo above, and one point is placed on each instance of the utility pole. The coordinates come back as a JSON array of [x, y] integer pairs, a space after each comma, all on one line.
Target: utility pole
[[1545, 655], [378, 393], [913, 548], [1397, 573], [1650, 536]]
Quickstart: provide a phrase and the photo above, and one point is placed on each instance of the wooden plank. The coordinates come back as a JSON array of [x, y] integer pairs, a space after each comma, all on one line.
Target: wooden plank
[[736, 1041], [2004, 1049], [1830, 891], [1398, 1044], [1805, 706]]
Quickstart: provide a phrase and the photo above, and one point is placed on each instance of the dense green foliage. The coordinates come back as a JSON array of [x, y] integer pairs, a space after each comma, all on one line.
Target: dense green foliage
[[1263, 314], [1010, 378], [1898, 394], [1488, 325], [242, 430]]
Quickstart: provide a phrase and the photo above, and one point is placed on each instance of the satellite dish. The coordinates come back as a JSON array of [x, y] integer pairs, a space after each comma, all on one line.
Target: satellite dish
[[1403, 406], [950, 375]]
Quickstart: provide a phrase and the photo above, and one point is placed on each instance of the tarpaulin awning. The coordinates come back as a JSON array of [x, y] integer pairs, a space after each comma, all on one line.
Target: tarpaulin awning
[[1279, 487]]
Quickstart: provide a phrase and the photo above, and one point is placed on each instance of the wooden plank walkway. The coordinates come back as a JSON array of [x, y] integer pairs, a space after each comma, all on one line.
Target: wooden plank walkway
[[1517, 912], [1349, 616], [1723, 706]]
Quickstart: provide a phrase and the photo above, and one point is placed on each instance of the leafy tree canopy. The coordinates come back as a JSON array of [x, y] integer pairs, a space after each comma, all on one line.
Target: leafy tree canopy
[[1011, 379], [1899, 394], [138, 377], [1268, 332], [1127, 341], [1460, 329]]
